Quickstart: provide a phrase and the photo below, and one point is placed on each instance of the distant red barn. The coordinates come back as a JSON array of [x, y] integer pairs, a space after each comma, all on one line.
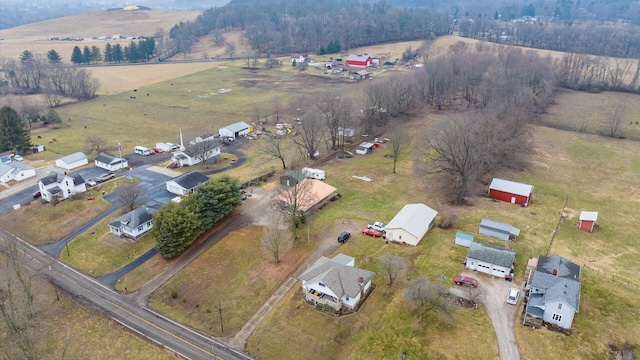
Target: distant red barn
[[360, 60], [588, 220], [511, 191]]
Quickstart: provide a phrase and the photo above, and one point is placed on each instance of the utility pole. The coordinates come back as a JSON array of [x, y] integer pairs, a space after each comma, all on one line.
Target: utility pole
[[220, 312], [53, 279]]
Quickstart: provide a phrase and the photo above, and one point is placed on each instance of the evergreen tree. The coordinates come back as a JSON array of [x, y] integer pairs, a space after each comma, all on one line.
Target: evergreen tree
[[216, 200], [54, 118], [26, 56], [118, 55], [76, 56], [54, 57], [13, 134], [132, 53], [86, 55], [108, 53], [96, 54], [175, 227]]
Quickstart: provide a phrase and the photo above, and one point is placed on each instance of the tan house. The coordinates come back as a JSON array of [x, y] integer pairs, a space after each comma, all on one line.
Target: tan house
[[308, 195]]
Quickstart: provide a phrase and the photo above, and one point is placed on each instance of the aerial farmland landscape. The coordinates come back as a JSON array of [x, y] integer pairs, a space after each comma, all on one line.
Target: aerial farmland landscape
[[214, 183]]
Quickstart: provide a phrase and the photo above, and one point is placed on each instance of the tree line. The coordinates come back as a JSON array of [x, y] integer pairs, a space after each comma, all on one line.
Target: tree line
[[135, 52]]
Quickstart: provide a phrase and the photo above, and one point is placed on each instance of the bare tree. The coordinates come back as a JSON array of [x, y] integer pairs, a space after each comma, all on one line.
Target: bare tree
[[476, 294], [201, 151], [217, 38], [95, 144], [398, 137], [275, 147], [277, 109], [616, 120], [391, 266], [276, 239], [427, 296], [131, 196], [296, 201], [310, 133], [230, 49]]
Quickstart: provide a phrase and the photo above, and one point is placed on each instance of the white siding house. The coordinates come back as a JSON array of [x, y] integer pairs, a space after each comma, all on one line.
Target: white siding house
[[554, 294], [134, 224], [15, 171], [411, 224], [489, 259], [61, 186], [72, 161], [186, 183], [336, 282], [110, 162], [194, 154]]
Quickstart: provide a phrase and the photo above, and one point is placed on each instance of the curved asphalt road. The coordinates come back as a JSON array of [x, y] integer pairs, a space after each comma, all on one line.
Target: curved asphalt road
[[112, 279]]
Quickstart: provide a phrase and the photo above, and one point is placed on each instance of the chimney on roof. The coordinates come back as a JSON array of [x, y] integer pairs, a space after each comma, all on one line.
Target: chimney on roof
[[555, 272], [360, 280]]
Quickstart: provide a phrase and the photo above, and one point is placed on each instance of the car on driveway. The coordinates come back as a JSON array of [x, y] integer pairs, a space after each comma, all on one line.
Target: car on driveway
[[344, 155], [91, 182], [106, 176], [343, 236], [465, 281], [17, 158], [377, 225], [514, 295], [36, 194], [373, 233]]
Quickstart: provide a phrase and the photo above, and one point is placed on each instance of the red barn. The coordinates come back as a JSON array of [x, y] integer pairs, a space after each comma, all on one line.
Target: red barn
[[511, 191], [588, 220], [360, 60]]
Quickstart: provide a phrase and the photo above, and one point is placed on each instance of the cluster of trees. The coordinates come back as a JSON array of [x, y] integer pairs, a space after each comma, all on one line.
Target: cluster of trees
[[590, 73], [14, 135], [178, 225], [37, 74], [140, 51]]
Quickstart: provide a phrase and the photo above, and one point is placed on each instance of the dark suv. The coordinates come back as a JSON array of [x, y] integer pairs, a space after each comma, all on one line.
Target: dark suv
[[343, 236]]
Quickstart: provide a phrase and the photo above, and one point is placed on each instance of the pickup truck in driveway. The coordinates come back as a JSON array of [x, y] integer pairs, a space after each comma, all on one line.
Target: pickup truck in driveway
[[377, 225], [106, 176]]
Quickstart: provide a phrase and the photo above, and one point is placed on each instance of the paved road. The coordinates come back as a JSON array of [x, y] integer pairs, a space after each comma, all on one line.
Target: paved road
[[145, 322], [112, 279]]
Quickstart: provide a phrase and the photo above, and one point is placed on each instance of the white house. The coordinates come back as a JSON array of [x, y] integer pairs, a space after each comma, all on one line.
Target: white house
[[235, 130], [554, 294], [72, 161], [134, 224], [110, 162], [15, 171], [490, 259], [298, 58], [194, 154], [411, 224], [201, 138], [186, 183], [61, 186], [336, 282]]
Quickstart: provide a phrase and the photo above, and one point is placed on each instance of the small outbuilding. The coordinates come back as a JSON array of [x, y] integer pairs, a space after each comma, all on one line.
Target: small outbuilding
[[235, 130], [588, 220], [489, 259], [364, 148], [511, 191], [16, 171], [72, 161], [463, 239], [110, 162], [498, 230], [359, 75], [411, 224], [186, 183]]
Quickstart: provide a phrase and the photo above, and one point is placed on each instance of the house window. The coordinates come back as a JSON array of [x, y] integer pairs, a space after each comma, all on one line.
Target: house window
[[321, 284], [346, 298], [559, 306], [149, 223], [140, 228], [557, 317], [68, 191]]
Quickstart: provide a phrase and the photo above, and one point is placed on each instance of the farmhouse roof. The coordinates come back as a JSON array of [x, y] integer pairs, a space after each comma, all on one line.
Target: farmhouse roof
[[109, 159], [52, 177], [71, 158], [562, 267], [557, 288], [491, 254], [77, 179], [13, 167], [134, 218], [359, 57], [589, 215], [340, 279], [414, 219], [487, 223], [511, 187], [191, 179], [308, 192]]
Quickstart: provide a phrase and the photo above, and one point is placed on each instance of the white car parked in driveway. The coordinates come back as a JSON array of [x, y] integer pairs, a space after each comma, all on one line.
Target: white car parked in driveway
[[514, 295], [17, 158]]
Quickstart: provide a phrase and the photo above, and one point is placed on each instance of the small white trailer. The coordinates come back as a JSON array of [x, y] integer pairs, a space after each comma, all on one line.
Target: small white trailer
[[313, 173]]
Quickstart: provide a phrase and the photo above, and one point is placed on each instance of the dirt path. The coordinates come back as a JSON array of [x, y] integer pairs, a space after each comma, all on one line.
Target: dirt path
[[503, 316]]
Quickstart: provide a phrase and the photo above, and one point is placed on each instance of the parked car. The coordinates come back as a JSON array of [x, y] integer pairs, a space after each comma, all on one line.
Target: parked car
[[157, 150], [343, 236], [514, 295], [373, 233], [106, 176], [344, 155], [91, 182], [17, 158], [243, 196], [377, 225], [36, 194], [465, 281]]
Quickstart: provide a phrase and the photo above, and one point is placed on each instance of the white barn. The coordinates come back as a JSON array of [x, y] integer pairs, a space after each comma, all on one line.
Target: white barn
[[110, 162], [235, 130], [490, 259], [72, 161], [411, 224]]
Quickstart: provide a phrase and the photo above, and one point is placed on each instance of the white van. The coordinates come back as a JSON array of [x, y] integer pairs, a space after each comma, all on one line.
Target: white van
[[141, 150]]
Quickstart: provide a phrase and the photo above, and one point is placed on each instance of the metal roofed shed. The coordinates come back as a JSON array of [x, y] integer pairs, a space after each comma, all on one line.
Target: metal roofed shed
[[463, 239], [588, 220], [411, 224], [235, 130], [498, 230], [489, 259], [511, 191]]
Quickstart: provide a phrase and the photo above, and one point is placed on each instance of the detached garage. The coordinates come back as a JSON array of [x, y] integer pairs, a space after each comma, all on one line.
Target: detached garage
[[511, 191], [490, 259], [498, 230], [72, 161], [186, 183], [235, 130], [588, 220], [411, 224]]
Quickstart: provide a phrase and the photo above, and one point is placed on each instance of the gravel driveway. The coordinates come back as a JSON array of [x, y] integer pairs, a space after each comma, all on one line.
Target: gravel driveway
[[503, 316]]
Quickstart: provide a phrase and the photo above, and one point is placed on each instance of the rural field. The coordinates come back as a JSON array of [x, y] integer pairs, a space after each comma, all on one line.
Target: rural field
[[571, 171]]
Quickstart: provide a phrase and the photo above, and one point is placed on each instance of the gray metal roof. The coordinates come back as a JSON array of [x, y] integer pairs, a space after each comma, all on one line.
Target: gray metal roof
[[14, 167], [535, 304], [77, 179], [496, 225], [563, 267], [342, 259], [191, 179], [340, 279], [414, 219], [491, 254], [511, 187], [109, 159], [134, 218], [239, 126], [589, 215], [52, 177], [71, 158]]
